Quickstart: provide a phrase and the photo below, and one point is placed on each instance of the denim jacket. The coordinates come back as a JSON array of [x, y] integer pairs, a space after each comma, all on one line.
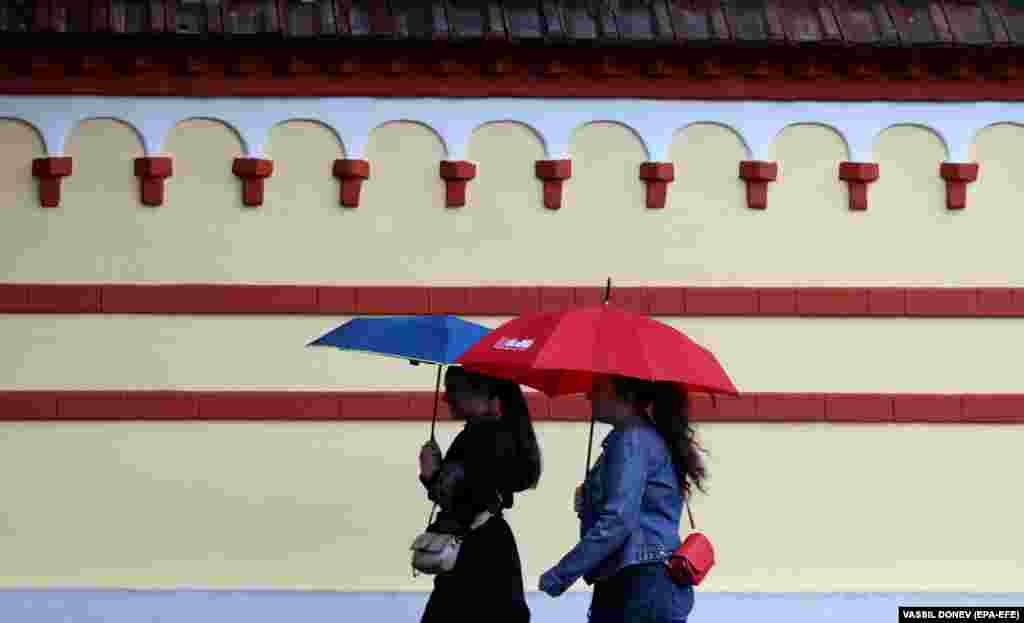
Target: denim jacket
[[632, 503]]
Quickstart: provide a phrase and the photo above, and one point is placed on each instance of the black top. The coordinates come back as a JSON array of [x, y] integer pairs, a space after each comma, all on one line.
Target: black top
[[472, 475]]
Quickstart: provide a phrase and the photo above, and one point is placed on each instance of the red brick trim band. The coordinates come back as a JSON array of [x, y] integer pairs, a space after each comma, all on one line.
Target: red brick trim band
[[707, 80], [50, 171], [507, 300], [151, 173], [418, 406]]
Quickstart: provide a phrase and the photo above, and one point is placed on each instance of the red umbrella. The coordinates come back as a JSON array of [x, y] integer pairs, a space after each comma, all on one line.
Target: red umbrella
[[563, 352]]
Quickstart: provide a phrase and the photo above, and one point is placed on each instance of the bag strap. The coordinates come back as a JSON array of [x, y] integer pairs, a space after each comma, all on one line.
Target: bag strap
[[690, 513]]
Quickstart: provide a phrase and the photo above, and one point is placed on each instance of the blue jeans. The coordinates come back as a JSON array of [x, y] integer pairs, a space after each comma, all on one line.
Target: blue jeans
[[641, 594]]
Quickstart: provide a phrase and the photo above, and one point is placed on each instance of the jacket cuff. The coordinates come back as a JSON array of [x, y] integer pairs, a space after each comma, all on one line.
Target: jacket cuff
[[554, 582]]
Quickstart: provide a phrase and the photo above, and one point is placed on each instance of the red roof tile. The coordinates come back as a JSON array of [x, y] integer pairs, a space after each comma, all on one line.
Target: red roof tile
[[904, 23]]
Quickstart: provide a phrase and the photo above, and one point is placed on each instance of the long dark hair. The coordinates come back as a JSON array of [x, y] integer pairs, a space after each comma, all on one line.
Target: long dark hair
[[670, 414], [516, 443], [518, 429]]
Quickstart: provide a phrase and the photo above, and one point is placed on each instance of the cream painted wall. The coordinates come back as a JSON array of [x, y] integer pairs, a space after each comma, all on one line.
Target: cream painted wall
[[403, 234], [252, 352], [281, 505], [247, 505]]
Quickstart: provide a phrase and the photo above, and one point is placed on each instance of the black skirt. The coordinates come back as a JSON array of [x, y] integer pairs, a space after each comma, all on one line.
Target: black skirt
[[488, 572]]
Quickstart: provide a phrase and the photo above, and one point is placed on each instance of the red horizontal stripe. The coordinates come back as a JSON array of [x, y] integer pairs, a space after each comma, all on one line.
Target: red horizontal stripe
[[414, 85], [507, 300], [418, 406]]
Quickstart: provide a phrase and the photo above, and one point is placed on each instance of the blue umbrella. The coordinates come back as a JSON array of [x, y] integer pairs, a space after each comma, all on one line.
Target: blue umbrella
[[437, 340]]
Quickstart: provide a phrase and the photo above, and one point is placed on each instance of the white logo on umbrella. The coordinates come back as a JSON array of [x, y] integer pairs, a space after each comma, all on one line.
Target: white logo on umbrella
[[511, 344]]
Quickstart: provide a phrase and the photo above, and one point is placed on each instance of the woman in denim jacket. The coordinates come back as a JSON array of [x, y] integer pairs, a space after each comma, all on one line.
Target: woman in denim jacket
[[632, 503]]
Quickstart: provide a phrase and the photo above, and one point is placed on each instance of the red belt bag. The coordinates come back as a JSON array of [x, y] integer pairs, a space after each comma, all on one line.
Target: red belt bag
[[693, 559]]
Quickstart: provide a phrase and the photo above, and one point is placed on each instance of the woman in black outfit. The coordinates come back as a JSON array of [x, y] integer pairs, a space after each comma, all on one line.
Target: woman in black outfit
[[495, 456]]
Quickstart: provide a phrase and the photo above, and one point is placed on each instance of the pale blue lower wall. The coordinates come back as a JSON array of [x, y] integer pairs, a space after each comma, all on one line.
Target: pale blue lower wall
[[195, 606]]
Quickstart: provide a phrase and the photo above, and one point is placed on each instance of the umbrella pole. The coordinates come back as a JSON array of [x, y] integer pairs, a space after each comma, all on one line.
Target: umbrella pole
[[437, 391], [590, 445], [433, 424]]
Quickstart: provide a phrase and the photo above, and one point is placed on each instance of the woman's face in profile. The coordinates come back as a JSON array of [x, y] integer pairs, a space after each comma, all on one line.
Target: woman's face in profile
[[468, 402], [606, 406]]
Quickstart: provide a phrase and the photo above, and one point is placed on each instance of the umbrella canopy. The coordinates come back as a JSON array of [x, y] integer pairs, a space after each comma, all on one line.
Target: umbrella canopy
[[432, 339], [420, 339], [564, 352]]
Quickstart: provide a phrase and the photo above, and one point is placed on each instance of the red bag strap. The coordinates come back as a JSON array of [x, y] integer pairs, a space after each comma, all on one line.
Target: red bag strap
[[690, 513]]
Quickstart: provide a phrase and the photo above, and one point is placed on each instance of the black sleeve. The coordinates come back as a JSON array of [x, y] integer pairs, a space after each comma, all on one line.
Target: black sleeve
[[469, 477]]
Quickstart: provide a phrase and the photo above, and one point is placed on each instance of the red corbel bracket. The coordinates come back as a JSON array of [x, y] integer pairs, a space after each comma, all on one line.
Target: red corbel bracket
[[957, 177], [757, 174], [456, 174], [152, 172], [50, 171], [553, 172], [252, 171], [351, 173], [657, 176], [858, 175]]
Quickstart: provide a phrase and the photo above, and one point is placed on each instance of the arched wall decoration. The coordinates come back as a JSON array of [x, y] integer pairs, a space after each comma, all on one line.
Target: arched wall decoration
[[554, 121]]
